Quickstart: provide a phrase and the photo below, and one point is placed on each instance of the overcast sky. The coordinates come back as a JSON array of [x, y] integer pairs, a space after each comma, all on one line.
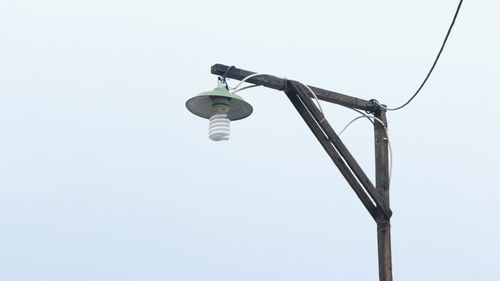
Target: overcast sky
[[104, 174]]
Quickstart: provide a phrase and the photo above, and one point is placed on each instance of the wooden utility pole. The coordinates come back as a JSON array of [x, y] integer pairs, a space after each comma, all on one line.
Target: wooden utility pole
[[375, 198], [382, 179]]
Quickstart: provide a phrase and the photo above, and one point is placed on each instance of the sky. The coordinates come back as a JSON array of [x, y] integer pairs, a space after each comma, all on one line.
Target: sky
[[104, 174]]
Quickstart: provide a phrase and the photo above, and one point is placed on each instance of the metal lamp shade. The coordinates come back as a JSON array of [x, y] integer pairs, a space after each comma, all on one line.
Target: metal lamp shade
[[201, 105]]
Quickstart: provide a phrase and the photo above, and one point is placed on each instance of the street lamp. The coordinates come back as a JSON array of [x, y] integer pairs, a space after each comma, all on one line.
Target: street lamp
[[220, 107]]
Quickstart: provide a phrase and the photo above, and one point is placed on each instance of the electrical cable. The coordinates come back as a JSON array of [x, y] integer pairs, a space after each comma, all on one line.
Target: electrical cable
[[361, 112], [262, 74], [314, 95], [363, 115], [248, 77], [435, 61], [352, 121], [369, 117], [244, 88]]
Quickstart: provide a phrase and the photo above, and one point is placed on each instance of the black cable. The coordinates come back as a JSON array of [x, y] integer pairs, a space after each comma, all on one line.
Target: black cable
[[435, 61]]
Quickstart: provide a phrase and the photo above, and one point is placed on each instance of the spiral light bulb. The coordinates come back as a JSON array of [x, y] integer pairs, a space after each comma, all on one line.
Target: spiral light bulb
[[218, 126]]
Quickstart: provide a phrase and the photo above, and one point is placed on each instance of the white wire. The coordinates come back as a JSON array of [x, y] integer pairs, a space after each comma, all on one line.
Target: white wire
[[386, 135], [314, 95], [259, 74], [349, 124], [248, 77], [244, 88], [369, 117], [361, 112]]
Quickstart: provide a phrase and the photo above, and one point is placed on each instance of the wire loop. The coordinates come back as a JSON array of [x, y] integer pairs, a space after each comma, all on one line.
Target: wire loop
[[226, 72], [285, 83]]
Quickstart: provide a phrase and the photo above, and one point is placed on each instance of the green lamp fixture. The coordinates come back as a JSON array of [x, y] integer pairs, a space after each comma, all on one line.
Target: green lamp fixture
[[220, 107]]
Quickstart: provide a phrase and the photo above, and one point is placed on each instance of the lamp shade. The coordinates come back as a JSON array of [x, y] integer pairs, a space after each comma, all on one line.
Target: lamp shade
[[203, 104]]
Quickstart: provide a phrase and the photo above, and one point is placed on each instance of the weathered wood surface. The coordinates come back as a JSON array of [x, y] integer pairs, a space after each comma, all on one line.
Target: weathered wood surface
[[278, 84], [384, 251], [382, 182], [330, 150]]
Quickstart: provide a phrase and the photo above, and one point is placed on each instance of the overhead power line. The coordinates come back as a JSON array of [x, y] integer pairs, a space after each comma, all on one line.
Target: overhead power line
[[435, 61]]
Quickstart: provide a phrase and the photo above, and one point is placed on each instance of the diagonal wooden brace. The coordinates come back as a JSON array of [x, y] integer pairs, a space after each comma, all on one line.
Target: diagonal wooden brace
[[330, 150], [374, 193]]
